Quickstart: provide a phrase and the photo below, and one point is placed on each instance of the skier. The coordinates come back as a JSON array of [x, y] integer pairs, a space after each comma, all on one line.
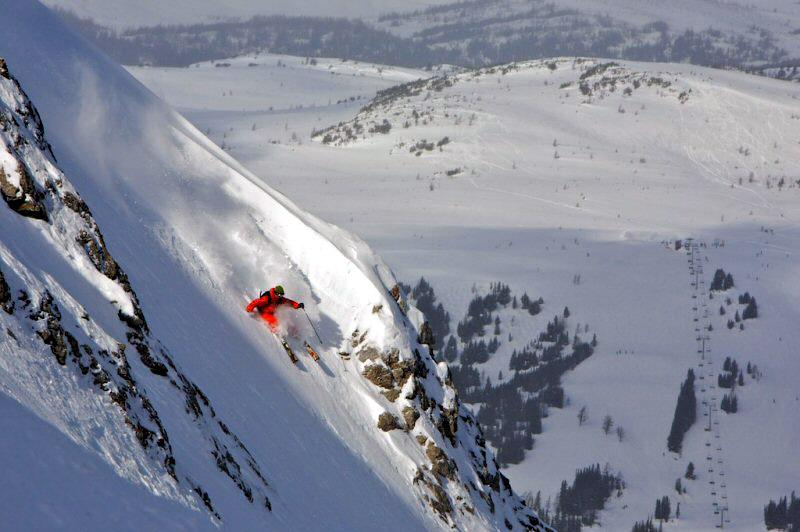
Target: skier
[[267, 304]]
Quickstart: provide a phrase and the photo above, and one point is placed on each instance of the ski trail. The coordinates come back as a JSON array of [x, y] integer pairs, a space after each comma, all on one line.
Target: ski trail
[[702, 154]]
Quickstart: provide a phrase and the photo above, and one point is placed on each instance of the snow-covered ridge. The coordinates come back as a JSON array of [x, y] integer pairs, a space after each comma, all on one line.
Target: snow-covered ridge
[[146, 174], [38, 300]]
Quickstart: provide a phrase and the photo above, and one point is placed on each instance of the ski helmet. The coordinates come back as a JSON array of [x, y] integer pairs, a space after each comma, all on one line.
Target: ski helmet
[[279, 290]]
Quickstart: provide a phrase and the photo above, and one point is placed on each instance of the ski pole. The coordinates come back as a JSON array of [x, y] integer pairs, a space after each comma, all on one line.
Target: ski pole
[[312, 326]]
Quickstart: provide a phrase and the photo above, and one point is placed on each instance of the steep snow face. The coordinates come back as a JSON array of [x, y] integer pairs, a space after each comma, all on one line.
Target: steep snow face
[[378, 439], [64, 293]]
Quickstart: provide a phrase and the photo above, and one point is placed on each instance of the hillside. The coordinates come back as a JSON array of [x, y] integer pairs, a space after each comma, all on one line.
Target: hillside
[[571, 180], [130, 246]]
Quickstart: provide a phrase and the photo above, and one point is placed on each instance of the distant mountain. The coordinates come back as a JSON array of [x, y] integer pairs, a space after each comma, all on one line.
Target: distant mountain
[[120, 14], [478, 33]]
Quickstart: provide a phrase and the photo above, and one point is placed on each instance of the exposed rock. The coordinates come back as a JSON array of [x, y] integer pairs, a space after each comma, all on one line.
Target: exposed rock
[[421, 439], [387, 422], [6, 301], [440, 502], [398, 297], [426, 336], [76, 204], [410, 415], [379, 376], [392, 394], [25, 200], [448, 424], [441, 464], [368, 352], [4, 69], [402, 370]]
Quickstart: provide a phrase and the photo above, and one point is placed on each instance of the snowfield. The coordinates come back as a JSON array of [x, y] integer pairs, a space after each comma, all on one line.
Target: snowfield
[[128, 254], [542, 180]]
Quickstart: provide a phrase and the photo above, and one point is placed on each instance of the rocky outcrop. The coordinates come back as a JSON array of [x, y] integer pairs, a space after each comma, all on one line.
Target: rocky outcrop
[[24, 199], [40, 191], [421, 394], [6, 303], [387, 422]]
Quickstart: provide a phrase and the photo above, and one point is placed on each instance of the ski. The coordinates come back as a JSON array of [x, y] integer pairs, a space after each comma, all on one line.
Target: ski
[[288, 349], [311, 352]]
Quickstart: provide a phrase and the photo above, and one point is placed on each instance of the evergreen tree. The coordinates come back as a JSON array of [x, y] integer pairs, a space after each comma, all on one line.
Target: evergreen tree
[[685, 414], [583, 415], [451, 349], [608, 423], [690, 472]]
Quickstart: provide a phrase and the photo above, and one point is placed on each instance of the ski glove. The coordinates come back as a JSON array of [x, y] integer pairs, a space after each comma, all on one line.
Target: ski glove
[[301, 305]]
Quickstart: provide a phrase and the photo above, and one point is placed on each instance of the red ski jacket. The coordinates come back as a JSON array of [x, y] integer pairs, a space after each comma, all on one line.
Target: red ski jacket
[[268, 304]]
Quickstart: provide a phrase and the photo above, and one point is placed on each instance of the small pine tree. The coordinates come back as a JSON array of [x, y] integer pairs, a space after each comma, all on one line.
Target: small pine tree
[[608, 424], [690, 472], [583, 415]]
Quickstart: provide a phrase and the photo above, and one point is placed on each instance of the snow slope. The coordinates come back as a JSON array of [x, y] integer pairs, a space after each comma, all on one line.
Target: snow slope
[[688, 151], [193, 236]]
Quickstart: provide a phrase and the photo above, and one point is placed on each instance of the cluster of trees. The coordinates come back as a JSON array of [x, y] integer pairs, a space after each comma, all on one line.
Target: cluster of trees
[[533, 306], [182, 45], [468, 38], [525, 359], [663, 509], [722, 281], [512, 409], [751, 310], [578, 504], [731, 375], [554, 332], [685, 414], [479, 312], [509, 421], [425, 300], [644, 526], [474, 352], [783, 515], [729, 404]]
